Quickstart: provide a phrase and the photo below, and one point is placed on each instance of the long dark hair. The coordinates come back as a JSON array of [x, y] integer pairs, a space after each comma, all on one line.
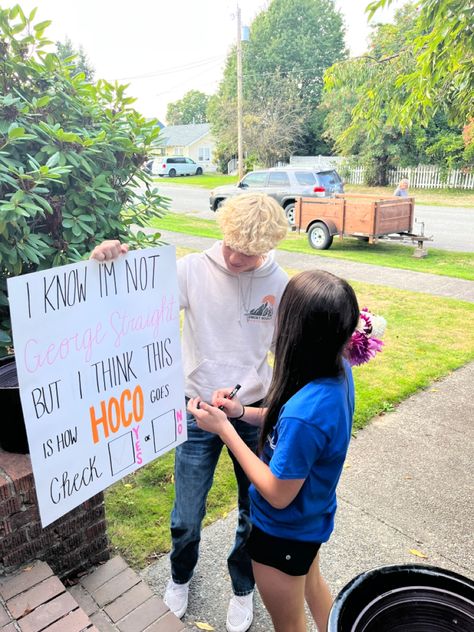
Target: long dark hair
[[317, 315]]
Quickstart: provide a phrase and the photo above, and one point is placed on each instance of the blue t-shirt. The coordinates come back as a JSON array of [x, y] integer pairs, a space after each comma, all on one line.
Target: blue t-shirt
[[310, 441]]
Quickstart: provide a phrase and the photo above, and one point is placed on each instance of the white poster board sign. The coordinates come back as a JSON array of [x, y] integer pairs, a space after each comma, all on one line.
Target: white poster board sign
[[98, 356]]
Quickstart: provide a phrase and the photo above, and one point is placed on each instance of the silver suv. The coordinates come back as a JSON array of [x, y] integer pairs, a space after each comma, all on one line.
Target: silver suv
[[284, 184]]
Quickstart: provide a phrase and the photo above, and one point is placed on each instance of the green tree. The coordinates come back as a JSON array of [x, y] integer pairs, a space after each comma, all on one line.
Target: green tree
[[291, 44], [371, 134], [76, 59], [192, 108], [418, 71], [275, 125], [442, 75], [71, 154]]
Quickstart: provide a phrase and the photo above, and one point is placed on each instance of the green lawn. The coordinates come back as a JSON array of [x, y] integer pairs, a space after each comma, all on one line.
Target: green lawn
[[206, 181], [427, 338], [454, 264], [434, 197]]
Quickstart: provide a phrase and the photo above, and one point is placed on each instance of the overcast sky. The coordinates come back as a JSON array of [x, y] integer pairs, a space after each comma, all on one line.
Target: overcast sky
[[165, 48]]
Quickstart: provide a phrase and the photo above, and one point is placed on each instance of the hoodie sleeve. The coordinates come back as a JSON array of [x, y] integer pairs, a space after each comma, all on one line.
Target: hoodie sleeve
[[183, 282]]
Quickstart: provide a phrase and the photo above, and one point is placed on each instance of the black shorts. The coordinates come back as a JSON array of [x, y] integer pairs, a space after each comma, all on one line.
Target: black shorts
[[292, 557]]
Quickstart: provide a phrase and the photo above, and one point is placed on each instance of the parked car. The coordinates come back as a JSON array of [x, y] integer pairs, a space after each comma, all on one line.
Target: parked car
[[285, 184], [175, 166]]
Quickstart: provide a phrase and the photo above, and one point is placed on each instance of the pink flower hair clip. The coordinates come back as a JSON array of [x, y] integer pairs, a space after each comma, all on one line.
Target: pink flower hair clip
[[366, 340]]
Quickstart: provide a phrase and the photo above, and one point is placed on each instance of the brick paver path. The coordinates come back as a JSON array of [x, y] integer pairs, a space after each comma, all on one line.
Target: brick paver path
[[111, 598]]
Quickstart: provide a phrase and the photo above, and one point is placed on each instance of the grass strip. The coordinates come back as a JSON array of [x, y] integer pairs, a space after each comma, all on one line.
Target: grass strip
[[427, 338], [443, 262]]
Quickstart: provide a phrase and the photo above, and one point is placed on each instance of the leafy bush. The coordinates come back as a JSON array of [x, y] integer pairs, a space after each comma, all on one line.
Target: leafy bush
[[71, 156]]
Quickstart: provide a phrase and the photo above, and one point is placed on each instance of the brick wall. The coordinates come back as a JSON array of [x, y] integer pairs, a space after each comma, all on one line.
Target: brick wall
[[71, 544]]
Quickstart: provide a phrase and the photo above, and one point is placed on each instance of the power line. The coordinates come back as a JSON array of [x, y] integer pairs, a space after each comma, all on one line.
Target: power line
[[252, 75], [169, 71], [182, 83]]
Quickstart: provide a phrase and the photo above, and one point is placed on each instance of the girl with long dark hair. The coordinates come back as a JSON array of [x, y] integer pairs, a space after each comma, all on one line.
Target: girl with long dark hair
[[306, 429]]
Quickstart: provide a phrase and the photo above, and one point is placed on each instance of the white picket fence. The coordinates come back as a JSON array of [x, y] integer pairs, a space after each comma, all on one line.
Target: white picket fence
[[355, 175], [421, 177]]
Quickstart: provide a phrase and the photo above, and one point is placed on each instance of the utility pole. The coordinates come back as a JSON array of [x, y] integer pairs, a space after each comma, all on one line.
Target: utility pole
[[240, 152]]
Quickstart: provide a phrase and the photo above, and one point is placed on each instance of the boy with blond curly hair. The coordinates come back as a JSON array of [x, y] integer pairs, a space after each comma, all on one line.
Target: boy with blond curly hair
[[230, 295]]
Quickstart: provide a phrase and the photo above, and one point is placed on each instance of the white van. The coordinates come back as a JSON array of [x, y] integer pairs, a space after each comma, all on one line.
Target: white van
[[175, 166]]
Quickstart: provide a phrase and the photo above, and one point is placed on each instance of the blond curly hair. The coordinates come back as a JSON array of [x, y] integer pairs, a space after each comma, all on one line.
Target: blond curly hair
[[252, 223]]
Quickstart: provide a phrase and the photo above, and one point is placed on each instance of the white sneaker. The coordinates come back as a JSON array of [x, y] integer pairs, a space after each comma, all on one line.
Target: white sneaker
[[176, 598], [240, 613]]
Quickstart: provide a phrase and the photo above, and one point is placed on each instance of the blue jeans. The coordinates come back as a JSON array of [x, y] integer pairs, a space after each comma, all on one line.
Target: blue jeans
[[195, 463]]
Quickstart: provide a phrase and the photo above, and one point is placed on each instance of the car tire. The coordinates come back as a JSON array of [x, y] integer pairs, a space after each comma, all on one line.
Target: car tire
[[218, 204], [172, 173], [319, 237], [199, 171], [290, 214]]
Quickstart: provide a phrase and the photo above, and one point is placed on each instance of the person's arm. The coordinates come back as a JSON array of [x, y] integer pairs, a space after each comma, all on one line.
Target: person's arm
[[277, 492]]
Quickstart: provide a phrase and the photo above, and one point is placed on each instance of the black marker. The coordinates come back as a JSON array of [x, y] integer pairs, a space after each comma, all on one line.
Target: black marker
[[231, 395]]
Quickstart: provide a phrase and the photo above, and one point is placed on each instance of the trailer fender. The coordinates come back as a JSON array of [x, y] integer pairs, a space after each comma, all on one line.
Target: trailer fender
[[331, 226]]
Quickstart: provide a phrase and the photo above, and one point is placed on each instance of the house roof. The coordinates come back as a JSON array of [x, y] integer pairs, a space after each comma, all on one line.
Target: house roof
[[183, 135]]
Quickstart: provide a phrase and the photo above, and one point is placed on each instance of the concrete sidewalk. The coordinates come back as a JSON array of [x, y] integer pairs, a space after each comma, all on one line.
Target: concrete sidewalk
[[437, 285], [407, 485]]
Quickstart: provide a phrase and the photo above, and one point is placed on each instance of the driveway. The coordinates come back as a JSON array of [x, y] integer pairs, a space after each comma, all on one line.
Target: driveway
[[451, 228]]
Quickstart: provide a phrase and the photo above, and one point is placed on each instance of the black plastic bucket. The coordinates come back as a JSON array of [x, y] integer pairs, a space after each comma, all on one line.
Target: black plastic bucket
[[12, 426], [411, 598]]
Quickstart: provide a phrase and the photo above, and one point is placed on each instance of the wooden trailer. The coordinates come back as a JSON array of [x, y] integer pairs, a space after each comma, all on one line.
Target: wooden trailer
[[349, 215]]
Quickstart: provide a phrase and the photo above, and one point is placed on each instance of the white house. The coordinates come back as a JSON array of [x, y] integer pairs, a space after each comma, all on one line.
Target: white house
[[192, 141]]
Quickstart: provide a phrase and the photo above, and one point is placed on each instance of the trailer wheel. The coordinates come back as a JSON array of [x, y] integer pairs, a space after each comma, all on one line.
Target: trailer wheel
[[319, 237], [290, 214]]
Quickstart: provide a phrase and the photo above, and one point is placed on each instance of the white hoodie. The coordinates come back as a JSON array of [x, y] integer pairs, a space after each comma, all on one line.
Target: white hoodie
[[229, 323]]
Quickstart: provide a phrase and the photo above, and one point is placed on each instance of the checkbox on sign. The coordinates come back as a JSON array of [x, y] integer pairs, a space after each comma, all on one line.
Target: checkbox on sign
[[121, 453], [164, 430]]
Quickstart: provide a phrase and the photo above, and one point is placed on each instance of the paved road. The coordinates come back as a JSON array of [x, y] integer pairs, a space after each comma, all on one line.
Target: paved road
[[186, 199], [452, 228]]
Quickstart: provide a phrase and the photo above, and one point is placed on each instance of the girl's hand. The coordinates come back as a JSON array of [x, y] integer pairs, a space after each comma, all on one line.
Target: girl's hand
[[108, 250], [231, 407], [208, 417]]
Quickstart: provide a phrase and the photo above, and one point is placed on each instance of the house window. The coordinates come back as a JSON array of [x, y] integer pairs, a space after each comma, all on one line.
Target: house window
[[178, 151], [204, 154]]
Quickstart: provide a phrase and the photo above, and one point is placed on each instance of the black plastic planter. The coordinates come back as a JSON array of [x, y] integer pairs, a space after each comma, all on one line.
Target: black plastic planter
[[12, 426], [411, 598]]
